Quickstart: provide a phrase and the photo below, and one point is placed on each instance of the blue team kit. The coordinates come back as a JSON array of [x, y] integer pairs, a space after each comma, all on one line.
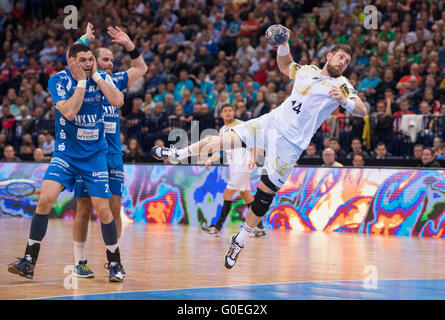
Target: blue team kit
[[81, 144]]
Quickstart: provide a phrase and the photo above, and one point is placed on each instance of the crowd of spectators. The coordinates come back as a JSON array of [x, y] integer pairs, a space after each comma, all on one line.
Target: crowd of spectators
[[204, 53]]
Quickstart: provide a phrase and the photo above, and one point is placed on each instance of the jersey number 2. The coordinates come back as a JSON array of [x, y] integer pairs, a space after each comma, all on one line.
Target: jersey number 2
[[296, 108]]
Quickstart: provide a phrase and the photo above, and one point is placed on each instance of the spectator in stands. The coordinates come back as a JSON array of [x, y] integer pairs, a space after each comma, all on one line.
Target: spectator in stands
[[9, 154], [381, 152], [2, 142], [311, 152], [134, 152], [358, 160], [437, 146], [387, 82], [135, 119], [49, 145], [339, 152], [328, 156], [417, 151], [8, 124], [404, 83], [356, 146], [27, 147], [38, 155], [241, 112], [428, 159]]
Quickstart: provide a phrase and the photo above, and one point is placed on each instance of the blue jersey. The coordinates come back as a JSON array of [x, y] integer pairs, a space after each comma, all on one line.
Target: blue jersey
[[84, 136], [111, 116]]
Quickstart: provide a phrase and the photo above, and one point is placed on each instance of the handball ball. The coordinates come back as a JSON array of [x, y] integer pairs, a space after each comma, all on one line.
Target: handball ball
[[275, 35]]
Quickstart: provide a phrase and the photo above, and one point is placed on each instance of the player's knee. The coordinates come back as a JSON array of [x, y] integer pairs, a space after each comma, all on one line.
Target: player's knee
[[261, 202]]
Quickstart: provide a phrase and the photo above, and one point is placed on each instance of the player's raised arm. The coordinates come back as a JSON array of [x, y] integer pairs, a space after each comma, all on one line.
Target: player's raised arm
[[138, 66], [69, 107], [284, 58], [114, 96]]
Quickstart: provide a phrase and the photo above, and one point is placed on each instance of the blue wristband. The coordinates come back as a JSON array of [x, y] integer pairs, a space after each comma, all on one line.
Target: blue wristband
[[84, 40]]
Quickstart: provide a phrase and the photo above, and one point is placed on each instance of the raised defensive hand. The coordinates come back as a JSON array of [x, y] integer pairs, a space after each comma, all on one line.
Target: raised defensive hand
[[89, 32], [120, 37]]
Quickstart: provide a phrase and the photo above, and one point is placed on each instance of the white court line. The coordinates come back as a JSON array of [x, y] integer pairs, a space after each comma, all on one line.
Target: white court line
[[228, 286], [26, 284]]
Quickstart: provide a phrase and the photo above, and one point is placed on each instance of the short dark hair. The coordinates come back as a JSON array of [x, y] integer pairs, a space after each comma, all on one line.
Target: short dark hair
[[76, 48], [381, 143], [343, 47], [225, 105]]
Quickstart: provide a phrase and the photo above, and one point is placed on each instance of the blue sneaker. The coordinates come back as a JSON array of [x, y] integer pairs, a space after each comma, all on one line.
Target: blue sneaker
[[82, 270], [116, 272], [23, 267]]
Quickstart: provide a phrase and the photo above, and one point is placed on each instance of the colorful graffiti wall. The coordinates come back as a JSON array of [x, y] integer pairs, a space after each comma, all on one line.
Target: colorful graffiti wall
[[376, 201]]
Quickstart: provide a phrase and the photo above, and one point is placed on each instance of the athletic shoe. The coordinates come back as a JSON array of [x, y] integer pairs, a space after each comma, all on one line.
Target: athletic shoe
[[116, 273], [232, 253], [23, 267], [258, 232], [82, 270], [107, 268], [213, 230], [161, 153]]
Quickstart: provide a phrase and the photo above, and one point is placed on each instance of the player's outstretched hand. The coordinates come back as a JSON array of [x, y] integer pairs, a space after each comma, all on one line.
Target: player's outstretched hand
[[288, 32], [336, 94], [76, 70], [120, 37], [89, 32]]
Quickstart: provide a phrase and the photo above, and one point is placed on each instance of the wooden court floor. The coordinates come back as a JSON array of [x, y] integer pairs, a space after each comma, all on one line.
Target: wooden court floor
[[158, 258]]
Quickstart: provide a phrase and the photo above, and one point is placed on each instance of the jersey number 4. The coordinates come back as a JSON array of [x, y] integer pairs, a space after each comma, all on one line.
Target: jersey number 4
[[296, 108]]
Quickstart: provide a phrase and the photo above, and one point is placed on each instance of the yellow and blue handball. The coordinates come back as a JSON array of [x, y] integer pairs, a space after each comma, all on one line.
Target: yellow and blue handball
[[275, 35]]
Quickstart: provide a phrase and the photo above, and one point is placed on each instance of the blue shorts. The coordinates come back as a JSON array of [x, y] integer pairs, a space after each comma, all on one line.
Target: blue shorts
[[94, 173], [115, 167]]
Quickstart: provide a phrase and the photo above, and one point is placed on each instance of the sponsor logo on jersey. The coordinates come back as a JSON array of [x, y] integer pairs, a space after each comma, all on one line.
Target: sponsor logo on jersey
[[60, 161], [100, 174], [60, 90], [87, 134], [87, 120], [62, 121], [110, 111], [345, 90], [110, 127], [62, 135], [61, 147], [92, 88]]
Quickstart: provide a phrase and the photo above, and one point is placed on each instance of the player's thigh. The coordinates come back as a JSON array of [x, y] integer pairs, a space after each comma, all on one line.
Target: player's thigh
[[280, 159], [115, 174], [239, 181]]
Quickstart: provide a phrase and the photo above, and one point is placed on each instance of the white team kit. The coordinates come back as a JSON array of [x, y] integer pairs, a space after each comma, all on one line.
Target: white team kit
[[238, 161], [286, 131]]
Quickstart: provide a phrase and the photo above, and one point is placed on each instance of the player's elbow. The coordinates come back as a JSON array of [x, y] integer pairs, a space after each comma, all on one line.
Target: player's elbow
[[70, 116]]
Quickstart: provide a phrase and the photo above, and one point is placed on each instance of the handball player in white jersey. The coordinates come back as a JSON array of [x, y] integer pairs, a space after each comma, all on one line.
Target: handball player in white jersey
[[241, 164], [284, 132]]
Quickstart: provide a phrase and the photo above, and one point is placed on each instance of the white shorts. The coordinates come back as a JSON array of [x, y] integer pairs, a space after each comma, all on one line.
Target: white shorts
[[281, 155], [239, 180]]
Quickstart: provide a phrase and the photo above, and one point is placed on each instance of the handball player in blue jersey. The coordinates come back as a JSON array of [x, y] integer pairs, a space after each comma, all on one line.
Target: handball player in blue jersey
[[121, 80], [80, 150]]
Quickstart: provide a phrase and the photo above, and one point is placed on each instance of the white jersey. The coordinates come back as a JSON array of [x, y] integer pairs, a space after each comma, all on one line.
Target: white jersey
[[237, 159], [302, 113]]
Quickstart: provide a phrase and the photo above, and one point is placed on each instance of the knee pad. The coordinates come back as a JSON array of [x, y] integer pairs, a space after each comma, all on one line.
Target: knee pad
[[261, 202]]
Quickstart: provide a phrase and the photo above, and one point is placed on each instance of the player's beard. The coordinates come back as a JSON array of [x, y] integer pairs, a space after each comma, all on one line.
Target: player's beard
[[333, 71]]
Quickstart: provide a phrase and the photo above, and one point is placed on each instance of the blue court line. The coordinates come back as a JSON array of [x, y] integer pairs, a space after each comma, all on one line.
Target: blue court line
[[406, 289]]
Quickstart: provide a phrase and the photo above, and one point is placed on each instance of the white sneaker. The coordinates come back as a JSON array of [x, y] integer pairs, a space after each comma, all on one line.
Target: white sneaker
[[257, 232], [233, 252], [161, 153]]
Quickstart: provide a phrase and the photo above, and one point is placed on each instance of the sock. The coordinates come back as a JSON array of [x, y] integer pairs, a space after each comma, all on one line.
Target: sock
[[79, 252], [39, 224], [109, 233], [260, 225], [243, 235], [182, 154], [224, 212]]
